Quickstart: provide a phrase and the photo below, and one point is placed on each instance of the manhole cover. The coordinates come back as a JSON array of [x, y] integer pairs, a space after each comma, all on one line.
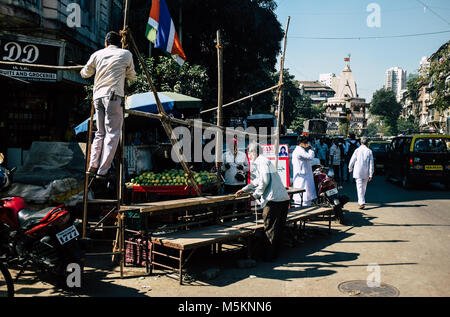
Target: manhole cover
[[360, 289]]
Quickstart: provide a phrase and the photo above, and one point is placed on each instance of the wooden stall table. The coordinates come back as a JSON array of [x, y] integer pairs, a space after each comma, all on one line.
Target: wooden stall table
[[194, 238]]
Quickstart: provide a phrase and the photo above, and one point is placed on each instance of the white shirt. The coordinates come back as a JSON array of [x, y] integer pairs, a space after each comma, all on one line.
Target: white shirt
[[303, 175], [335, 152], [234, 161], [361, 163], [111, 66], [266, 185]]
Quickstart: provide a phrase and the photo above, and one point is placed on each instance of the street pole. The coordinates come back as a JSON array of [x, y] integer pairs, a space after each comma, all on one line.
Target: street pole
[[280, 96], [219, 138]]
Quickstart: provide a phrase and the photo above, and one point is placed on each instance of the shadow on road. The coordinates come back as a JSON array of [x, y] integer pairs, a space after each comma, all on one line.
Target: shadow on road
[[95, 283], [382, 193]]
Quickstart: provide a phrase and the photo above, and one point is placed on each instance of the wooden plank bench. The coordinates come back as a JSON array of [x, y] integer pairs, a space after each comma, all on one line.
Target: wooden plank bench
[[190, 240]]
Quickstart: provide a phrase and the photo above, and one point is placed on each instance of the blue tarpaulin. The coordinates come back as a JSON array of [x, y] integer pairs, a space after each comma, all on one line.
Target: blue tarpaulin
[[146, 102]]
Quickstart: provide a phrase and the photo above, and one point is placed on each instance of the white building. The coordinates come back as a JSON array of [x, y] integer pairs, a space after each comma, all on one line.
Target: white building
[[326, 78], [330, 80], [396, 80], [424, 65]]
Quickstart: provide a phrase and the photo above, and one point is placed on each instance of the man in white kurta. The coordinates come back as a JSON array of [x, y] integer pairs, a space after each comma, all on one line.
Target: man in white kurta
[[302, 171], [361, 164]]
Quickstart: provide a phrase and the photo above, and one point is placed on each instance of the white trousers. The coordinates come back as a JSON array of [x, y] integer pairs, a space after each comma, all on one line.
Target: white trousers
[[109, 125], [361, 186]]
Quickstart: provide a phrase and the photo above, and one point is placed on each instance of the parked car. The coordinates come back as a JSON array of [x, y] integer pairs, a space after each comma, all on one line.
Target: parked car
[[380, 152], [419, 158]]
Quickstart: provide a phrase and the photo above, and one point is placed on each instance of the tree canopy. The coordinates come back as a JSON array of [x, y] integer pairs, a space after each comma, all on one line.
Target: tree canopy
[[251, 39], [385, 105]]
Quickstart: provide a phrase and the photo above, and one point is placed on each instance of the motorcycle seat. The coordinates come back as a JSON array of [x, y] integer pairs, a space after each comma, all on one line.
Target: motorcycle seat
[[30, 218]]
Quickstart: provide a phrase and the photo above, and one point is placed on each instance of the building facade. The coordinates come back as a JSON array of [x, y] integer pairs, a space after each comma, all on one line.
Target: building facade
[[432, 86], [317, 91], [346, 111], [41, 104], [395, 80]]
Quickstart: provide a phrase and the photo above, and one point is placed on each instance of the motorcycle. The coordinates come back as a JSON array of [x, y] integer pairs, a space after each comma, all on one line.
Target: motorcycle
[[46, 239], [328, 191], [6, 176]]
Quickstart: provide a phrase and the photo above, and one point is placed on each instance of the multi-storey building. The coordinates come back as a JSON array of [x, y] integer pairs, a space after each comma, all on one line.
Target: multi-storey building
[[395, 80], [423, 108], [40, 103], [316, 90]]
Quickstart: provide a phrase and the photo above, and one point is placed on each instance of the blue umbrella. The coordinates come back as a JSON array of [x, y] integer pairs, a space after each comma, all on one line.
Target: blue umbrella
[[145, 102]]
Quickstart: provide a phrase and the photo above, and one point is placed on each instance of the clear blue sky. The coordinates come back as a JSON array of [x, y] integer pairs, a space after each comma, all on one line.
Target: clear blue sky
[[370, 58]]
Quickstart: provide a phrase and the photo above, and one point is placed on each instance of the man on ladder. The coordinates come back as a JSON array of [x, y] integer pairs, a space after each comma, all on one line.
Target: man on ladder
[[111, 66]]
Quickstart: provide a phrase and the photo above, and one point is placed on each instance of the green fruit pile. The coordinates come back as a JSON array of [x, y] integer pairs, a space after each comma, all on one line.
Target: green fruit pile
[[172, 178]]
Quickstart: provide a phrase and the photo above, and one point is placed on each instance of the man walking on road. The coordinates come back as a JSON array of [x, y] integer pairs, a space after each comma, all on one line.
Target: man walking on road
[[111, 66], [361, 164], [350, 147]]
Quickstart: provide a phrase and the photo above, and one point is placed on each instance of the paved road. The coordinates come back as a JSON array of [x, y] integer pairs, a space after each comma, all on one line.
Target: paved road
[[404, 232]]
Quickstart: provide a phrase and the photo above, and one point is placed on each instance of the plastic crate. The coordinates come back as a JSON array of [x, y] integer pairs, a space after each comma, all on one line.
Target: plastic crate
[[136, 251], [133, 220]]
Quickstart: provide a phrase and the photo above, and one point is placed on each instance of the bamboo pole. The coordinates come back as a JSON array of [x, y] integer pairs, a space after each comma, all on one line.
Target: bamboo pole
[[86, 179], [280, 95], [242, 99], [125, 18], [43, 66], [190, 123], [165, 120], [219, 135]]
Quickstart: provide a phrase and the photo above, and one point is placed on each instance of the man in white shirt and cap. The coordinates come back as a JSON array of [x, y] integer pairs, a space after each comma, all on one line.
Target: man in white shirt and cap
[[361, 163], [235, 167], [111, 66], [268, 190], [302, 171]]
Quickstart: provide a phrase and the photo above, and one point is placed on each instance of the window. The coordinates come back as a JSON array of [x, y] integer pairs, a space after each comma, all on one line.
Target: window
[[432, 145], [89, 13]]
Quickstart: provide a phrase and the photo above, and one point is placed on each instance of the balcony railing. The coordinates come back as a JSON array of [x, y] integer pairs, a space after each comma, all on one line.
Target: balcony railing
[[32, 5]]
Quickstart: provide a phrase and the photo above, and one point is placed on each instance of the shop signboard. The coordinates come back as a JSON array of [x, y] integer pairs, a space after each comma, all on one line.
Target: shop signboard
[[23, 51]]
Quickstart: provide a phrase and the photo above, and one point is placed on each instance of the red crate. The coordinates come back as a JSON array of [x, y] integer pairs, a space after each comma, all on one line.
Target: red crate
[[175, 190]]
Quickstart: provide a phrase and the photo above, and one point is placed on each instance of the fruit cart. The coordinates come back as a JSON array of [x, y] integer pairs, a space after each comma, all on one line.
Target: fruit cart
[[171, 183]]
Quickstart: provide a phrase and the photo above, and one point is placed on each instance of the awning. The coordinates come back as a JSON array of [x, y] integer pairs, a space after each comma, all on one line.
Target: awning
[[173, 103]]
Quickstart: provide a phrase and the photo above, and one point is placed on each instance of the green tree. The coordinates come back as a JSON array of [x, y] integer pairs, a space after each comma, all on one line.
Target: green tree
[[406, 126], [439, 74], [251, 40], [413, 86], [167, 75], [385, 105]]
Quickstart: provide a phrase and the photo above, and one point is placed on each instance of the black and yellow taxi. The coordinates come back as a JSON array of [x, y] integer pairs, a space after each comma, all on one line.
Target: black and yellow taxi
[[380, 151], [421, 158]]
